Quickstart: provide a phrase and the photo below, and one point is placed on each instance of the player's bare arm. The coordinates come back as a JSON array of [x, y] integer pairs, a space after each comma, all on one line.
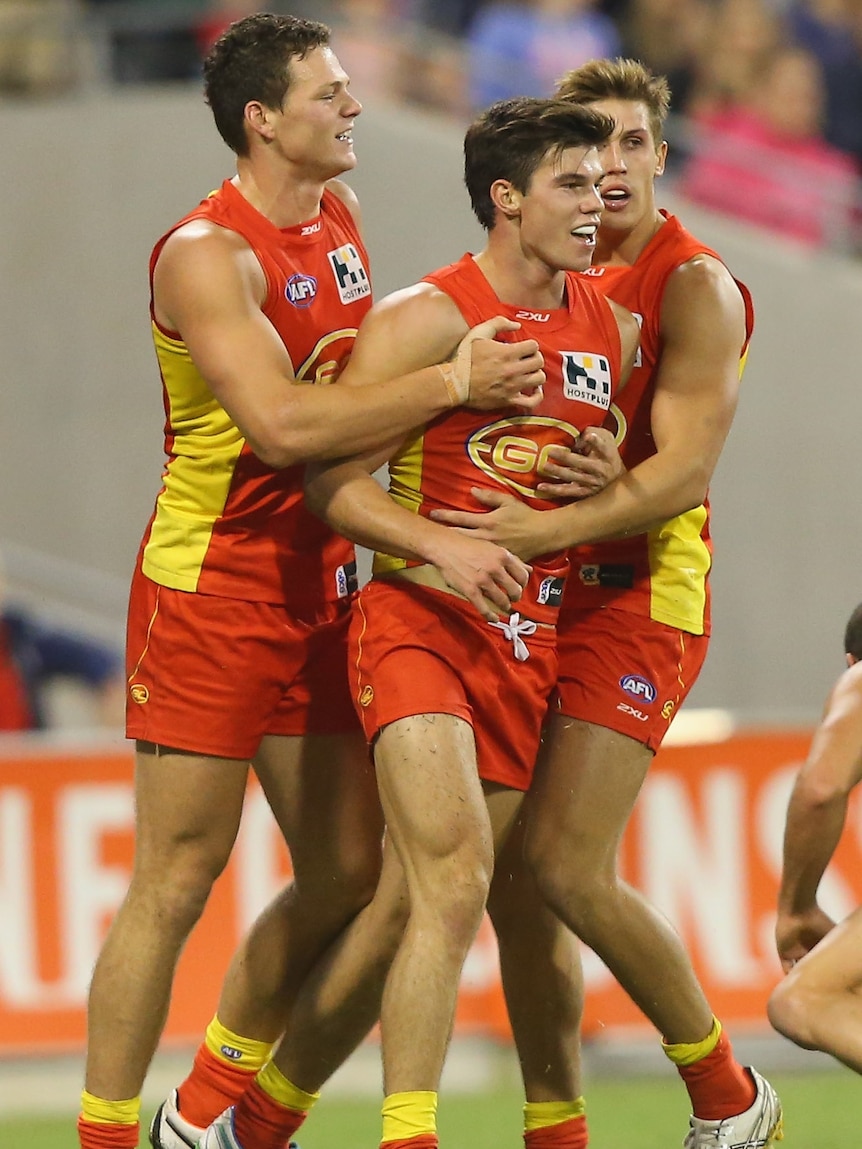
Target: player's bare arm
[[416, 326], [703, 330], [209, 288], [815, 818]]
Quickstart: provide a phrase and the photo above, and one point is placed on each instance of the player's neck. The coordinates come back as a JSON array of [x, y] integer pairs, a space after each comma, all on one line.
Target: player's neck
[[522, 282], [624, 245], [285, 198]]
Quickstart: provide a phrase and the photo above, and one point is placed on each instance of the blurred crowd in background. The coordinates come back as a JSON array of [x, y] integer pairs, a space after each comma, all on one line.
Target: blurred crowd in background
[[767, 121]]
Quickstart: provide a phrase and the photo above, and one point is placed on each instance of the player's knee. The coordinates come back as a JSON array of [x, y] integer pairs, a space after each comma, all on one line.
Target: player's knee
[[792, 1012]]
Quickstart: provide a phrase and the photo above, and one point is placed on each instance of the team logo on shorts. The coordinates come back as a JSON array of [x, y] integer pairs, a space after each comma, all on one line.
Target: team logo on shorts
[[668, 709], [638, 687], [139, 693], [300, 290], [367, 696], [350, 275]]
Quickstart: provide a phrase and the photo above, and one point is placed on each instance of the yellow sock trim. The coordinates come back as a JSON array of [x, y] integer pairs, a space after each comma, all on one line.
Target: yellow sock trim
[[409, 1115], [544, 1114], [273, 1082], [687, 1053], [100, 1112], [244, 1052]]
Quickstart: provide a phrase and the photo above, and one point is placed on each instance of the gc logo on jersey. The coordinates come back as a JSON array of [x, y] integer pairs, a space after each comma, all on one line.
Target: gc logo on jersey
[[300, 290], [587, 378], [350, 275]]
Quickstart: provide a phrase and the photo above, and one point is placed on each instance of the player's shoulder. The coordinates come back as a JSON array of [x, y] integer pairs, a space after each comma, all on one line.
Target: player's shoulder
[[409, 308], [702, 276]]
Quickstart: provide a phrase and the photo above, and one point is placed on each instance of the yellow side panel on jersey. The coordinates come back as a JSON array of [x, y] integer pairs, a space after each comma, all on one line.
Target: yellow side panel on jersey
[[405, 487], [679, 562], [195, 492]]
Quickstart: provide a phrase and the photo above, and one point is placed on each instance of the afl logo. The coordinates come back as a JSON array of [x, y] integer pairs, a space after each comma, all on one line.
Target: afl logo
[[300, 290], [232, 1053], [367, 696], [515, 451], [637, 687], [139, 693]]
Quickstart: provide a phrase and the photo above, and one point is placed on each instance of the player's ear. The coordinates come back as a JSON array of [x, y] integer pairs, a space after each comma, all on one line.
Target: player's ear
[[506, 198], [259, 118], [661, 158]]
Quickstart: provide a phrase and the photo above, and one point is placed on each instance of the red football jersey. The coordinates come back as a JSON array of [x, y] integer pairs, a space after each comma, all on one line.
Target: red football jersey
[[580, 343], [663, 573], [225, 523]]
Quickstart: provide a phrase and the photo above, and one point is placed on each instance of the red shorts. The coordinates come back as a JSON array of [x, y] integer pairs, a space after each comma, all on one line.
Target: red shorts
[[214, 675], [417, 650], [624, 671]]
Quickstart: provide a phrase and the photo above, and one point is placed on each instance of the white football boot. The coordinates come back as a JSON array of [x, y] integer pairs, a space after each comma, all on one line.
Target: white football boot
[[759, 1127], [169, 1130]]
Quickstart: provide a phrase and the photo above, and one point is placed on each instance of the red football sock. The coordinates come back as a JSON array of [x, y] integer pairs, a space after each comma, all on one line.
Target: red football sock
[[211, 1087], [569, 1134], [261, 1122], [97, 1135], [718, 1085]]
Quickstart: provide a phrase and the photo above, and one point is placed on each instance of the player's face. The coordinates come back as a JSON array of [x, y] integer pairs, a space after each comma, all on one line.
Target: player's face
[[314, 129], [561, 209], [631, 160]]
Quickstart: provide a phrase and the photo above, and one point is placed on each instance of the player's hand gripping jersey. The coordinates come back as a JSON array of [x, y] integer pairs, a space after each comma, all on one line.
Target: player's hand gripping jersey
[[580, 343], [225, 523], [661, 574]]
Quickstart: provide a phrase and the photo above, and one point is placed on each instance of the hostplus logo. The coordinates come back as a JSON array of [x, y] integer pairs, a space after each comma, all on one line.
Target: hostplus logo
[[350, 275]]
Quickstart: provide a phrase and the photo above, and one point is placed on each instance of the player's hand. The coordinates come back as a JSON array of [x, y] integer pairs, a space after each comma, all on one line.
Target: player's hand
[[798, 934], [508, 522], [583, 470], [499, 374], [490, 577]]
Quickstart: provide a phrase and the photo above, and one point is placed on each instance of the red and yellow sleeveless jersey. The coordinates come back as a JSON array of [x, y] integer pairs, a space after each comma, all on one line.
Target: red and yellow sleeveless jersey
[[225, 523], [506, 449], [663, 573]]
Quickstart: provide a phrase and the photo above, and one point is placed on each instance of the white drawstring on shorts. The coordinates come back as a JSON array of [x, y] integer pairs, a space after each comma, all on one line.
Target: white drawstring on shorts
[[513, 628]]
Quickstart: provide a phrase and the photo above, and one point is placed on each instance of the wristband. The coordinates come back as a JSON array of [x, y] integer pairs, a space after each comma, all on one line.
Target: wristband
[[457, 388]]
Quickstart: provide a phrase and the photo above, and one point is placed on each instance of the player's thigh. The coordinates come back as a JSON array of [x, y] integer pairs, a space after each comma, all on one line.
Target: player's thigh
[[323, 793], [431, 793], [188, 808], [586, 784], [835, 964], [504, 805]]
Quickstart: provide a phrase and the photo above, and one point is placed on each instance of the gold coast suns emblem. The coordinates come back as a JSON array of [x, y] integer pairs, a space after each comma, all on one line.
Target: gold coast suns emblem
[[139, 693], [367, 696], [514, 451]]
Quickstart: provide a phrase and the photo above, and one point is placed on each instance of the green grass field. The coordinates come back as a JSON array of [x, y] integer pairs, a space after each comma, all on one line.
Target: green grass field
[[822, 1111]]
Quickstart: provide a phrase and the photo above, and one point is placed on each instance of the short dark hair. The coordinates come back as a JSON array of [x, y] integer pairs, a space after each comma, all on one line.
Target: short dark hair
[[251, 61], [853, 634], [511, 138], [620, 79]]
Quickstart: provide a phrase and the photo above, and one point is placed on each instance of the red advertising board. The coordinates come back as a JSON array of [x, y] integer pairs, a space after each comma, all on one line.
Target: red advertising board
[[704, 845]]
